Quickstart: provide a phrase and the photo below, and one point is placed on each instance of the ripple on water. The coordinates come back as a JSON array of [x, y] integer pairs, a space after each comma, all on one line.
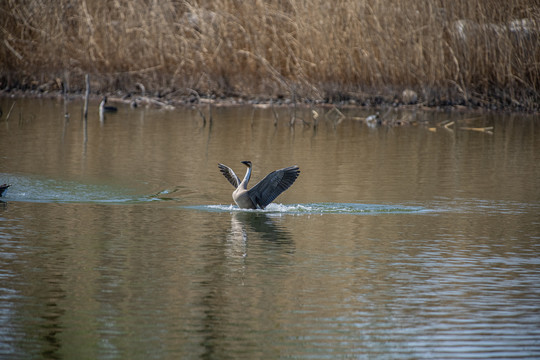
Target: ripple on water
[[44, 190], [316, 208]]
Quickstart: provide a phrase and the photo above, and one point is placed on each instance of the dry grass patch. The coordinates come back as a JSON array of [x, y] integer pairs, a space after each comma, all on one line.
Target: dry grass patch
[[461, 51]]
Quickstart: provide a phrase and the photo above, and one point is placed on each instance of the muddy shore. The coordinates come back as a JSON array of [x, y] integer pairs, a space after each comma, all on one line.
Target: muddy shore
[[169, 99]]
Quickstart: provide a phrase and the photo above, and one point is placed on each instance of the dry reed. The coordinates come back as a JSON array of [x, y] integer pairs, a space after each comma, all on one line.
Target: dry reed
[[471, 52]]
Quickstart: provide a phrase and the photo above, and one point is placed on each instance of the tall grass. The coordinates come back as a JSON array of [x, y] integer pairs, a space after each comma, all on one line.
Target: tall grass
[[480, 52]]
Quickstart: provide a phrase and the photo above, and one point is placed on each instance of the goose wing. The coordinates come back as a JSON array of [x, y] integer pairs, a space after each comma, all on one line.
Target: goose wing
[[229, 174], [272, 185], [3, 188]]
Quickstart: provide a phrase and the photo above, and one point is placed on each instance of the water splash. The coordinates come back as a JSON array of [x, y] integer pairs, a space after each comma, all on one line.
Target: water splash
[[315, 208]]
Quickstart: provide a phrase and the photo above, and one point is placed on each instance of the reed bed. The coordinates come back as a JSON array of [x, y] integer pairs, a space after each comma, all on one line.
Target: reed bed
[[483, 53]]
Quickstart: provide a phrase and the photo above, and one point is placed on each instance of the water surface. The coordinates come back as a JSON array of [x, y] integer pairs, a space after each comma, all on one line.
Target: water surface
[[119, 238]]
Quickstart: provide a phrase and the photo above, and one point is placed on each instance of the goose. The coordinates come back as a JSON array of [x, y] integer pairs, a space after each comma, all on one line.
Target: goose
[[374, 120], [3, 189], [266, 190], [103, 108]]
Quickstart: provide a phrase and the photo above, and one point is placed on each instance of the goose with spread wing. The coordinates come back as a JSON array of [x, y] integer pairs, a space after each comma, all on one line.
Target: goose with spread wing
[[265, 191]]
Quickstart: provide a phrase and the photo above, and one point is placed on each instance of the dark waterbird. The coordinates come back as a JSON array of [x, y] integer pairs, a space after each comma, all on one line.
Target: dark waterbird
[[3, 189], [265, 191], [103, 108]]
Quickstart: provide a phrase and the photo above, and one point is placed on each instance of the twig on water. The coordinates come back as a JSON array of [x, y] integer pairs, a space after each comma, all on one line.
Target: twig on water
[[252, 115], [86, 95], [337, 115], [9, 112], [315, 116], [293, 117], [487, 129], [202, 116], [276, 117], [198, 101], [447, 125]]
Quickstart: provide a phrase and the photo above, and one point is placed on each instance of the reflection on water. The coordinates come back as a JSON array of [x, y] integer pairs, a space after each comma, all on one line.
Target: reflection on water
[[263, 225], [119, 239]]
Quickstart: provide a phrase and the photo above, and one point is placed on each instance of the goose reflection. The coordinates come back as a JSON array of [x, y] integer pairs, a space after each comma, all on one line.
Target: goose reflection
[[237, 238], [244, 224]]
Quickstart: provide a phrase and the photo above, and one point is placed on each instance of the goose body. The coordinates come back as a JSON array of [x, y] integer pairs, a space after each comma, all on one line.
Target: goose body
[[265, 191], [103, 108]]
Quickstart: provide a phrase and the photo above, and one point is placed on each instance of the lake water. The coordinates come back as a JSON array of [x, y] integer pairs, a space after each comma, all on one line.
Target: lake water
[[119, 240]]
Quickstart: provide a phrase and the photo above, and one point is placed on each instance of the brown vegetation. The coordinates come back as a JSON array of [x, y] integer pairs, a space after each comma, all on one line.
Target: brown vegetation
[[483, 53]]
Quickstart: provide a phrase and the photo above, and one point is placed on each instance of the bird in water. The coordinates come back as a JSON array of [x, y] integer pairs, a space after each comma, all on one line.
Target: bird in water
[[103, 108], [3, 189], [265, 191], [374, 120]]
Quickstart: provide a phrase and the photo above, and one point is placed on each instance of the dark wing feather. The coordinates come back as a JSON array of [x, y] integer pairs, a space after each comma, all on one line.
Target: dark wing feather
[[3, 188], [229, 174], [272, 185]]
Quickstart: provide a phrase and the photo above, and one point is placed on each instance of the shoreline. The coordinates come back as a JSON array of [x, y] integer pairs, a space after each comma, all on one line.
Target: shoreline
[[364, 54], [175, 99]]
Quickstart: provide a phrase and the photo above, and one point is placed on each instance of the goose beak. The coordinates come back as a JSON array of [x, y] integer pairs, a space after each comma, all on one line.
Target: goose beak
[[247, 163]]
